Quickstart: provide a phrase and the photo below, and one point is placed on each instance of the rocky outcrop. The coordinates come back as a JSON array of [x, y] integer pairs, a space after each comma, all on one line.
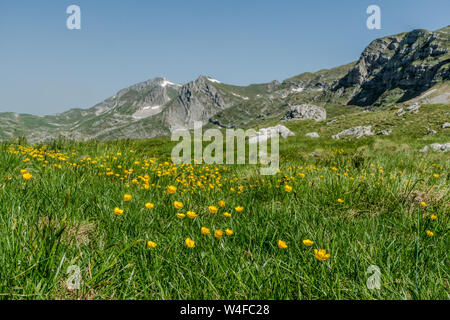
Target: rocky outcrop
[[267, 133], [306, 112], [386, 132], [446, 125], [356, 132], [312, 135], [436, 147], [401, 66]]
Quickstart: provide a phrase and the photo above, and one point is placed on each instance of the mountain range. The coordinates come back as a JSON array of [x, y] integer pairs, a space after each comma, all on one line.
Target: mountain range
[[394, 70]]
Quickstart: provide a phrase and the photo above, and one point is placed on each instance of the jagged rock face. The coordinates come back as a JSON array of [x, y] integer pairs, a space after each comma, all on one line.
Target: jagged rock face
[[198, 100], [357, 132], [410, 63], [306, 112]]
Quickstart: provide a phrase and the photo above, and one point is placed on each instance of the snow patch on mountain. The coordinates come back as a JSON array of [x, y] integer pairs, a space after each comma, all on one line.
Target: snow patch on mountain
[[166, 82], [214, 80], [146, 112], [239, 96]]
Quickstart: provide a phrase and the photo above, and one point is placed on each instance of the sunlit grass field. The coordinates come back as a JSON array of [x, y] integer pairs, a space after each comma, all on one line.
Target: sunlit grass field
[[139, 227]]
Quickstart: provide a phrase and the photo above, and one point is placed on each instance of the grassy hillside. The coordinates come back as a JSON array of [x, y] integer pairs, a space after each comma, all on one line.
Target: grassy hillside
[[372, 201]]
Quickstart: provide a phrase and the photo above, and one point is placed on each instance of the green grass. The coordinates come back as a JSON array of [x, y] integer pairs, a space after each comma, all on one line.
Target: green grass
[[64, 216]]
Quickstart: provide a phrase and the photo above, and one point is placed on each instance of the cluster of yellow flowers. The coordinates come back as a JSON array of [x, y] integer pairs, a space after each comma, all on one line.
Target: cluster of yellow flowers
[[137, 173], [25, 174], [319, 254]]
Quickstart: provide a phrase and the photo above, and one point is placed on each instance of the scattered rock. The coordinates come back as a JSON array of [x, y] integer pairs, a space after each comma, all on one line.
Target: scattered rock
[[446, 125], [437, 147], [312, 135], [401, 112], [414, 108], [432, 132], [386, 132], [306, 112], [267, 133], [330, 122], [358, 132]]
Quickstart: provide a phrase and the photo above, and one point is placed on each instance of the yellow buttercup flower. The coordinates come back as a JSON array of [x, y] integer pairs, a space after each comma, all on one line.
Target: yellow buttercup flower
[[218, 233], [190, 243], [436, 175], [321, 254], [191, 214], [149, 205], [433, 217], [118, 211], [213, 209], [178, 204], [151, 244], [229, 232], [127, 197], [239, 209], [340, 200], [429, 233], [287, 188], [308, 242], [205, 231], [282, 244], [181, 215], [226, 214], [222, 203], [23, 171], [423, 204], [27, 176], [171, 189]]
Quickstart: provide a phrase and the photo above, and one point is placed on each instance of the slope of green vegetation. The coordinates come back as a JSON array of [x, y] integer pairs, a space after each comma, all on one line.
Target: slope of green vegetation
[[373, 201]]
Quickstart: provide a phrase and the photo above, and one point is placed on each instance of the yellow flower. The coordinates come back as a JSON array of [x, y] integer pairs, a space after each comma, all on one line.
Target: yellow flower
[[151, 244], [429, 233], [149, 205], [27, 176], [213, 209], [308, 242], [127, 197], [222, 203], [23, 171], [118, 211], [218, 233], [205, 231], [287, 188], [282, 244], [190, 243], [321, 254], [181, 215], [171, 189], [239, 209], [433, 217], [436, 175], [340, 200], [226, 214], [229, 232], [178, 205], [423, 204], [191, 214]]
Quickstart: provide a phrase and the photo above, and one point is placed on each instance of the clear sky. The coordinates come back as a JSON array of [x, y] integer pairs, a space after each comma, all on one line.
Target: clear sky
[[46, 68]]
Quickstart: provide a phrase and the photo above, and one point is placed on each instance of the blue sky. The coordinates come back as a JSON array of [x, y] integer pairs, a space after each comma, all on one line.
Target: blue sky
[[47, 68]]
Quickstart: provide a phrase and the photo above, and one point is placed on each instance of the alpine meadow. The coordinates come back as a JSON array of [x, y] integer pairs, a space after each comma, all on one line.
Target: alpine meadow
[[92, 206]]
